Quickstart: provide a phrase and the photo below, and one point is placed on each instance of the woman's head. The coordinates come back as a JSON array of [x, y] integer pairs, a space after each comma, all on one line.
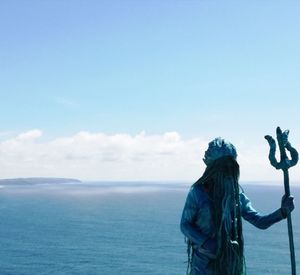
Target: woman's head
[[220, 159], [219, 148]]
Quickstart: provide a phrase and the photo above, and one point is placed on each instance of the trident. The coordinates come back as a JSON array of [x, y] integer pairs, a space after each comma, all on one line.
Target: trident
[[284, 164]]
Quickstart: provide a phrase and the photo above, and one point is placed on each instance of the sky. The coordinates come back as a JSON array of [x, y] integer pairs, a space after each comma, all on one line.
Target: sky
[[134, 90]]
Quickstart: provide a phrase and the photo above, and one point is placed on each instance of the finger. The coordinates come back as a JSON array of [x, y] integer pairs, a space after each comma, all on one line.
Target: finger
[[289, 199], [284, 197]]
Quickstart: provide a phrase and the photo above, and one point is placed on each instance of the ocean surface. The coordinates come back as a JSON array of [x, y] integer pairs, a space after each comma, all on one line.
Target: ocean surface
[[122, 228]]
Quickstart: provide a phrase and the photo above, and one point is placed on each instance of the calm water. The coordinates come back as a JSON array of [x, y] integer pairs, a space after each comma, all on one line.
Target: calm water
[[121, 229]]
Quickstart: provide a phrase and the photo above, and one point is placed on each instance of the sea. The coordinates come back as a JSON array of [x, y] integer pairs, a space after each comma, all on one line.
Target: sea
[[120, 228]]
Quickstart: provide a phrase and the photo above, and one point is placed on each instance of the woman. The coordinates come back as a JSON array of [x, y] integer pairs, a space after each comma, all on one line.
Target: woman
[[211, 218]]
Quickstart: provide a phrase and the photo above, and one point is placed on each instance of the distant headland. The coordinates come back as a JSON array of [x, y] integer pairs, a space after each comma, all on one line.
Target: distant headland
[[37, 180]]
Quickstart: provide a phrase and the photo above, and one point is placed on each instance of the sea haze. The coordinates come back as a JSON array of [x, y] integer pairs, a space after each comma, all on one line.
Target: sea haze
[[121, 228]]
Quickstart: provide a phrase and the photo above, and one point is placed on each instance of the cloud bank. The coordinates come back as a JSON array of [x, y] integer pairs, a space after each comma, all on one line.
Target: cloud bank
[[99, 156]]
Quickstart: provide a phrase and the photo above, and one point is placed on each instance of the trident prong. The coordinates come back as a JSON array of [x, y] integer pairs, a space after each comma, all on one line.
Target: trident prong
[[283, 143]]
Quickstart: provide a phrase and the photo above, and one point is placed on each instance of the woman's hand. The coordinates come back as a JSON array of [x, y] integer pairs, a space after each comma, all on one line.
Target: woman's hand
[[287, 205]]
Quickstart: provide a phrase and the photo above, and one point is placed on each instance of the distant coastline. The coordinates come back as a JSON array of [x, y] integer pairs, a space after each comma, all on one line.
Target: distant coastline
[[37, 180]]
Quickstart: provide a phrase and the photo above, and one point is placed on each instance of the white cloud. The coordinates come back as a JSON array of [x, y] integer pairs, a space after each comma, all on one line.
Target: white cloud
[[98, 156], [30, 135]]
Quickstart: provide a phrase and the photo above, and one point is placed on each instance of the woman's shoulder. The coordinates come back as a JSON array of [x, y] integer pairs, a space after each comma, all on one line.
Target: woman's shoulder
[[198, 193], [244, 200], [197, 188]]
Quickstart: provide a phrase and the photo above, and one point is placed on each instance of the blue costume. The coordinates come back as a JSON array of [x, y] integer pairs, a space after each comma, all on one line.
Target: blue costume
[[211, 218], [196, 224]]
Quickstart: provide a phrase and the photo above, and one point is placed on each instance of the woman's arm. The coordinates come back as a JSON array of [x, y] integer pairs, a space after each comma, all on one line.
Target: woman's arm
[[264, 221], [187, 224]]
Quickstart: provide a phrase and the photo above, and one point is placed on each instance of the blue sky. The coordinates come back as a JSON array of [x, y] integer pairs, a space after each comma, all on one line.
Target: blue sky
[[198, 68]]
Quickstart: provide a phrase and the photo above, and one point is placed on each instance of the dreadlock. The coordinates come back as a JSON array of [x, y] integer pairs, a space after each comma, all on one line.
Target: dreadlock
[[221, 179]]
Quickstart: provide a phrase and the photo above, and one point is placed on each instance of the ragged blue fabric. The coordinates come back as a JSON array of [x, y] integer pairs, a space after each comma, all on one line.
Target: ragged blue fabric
[[197, 225]]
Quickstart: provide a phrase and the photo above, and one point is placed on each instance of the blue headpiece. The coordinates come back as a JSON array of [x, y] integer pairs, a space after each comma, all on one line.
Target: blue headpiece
[[219, 148]]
